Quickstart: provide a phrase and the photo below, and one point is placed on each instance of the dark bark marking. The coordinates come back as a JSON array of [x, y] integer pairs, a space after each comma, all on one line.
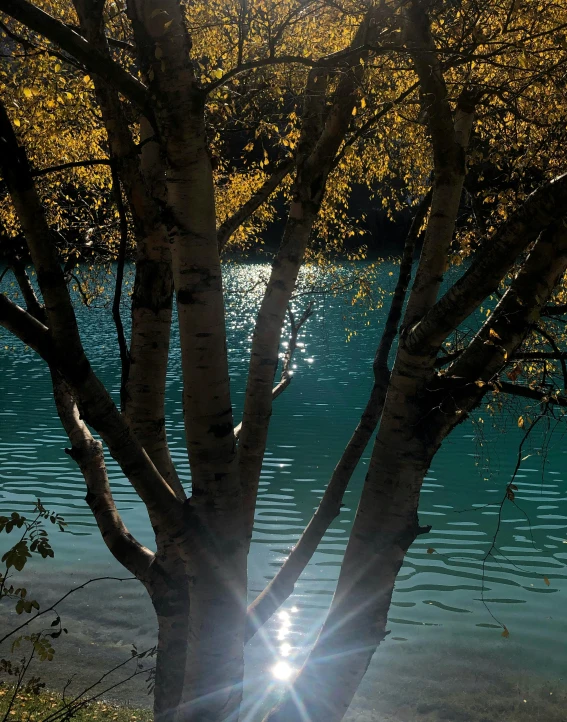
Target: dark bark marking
[[219, 431]]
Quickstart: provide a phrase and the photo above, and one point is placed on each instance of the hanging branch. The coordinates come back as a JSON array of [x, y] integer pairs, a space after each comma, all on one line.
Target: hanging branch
[[124, 353]]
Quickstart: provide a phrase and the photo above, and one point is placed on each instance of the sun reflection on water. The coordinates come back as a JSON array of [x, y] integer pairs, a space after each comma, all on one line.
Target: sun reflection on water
[[282, 670]]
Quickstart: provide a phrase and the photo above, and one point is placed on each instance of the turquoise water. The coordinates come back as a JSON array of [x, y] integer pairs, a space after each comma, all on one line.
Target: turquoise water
[[439, 623]]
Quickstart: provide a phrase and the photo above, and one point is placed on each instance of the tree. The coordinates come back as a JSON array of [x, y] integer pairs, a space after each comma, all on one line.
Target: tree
[[428, 81]]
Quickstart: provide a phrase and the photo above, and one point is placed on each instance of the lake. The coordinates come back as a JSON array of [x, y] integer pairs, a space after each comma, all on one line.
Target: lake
[[446, 657]]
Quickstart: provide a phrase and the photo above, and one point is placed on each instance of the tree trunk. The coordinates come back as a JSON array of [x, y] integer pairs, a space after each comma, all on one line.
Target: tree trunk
[[214, 548], [264, 354], [169, 591], [144, 183]]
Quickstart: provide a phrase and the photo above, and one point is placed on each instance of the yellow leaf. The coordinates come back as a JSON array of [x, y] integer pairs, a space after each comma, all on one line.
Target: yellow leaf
[[17, 122], [505, 633], [354, 110], [27, 93], [546, 580], [521, 422], [492, 333], [57, 67]]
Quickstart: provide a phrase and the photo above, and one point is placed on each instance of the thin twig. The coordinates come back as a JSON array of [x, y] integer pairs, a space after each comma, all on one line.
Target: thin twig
[[123, 346], [53, 607]]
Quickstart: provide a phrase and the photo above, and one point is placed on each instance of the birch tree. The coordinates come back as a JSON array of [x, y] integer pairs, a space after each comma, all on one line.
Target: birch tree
[[433, 82]]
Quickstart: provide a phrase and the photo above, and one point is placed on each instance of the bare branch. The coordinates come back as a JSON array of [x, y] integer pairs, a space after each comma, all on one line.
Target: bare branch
[[33, 305], [556, 350], [502, 333], [123, 346], [400, 292], [540, 355], [558, 310], [526, 392], [88, 455], [36, 173], [230, 225], [287, 374], [25, 327]]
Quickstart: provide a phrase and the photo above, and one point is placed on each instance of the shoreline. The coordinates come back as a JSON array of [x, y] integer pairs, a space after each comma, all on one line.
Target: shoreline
[[437, 674], [413, 684]]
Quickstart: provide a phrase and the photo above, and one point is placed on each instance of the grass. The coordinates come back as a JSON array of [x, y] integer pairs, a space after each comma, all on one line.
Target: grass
[[34, 708]]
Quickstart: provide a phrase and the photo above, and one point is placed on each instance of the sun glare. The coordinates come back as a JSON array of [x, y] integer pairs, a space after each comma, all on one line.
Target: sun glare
[[282, 671]]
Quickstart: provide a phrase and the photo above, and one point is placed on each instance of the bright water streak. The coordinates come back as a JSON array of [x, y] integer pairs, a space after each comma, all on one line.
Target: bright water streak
[[437, 611]]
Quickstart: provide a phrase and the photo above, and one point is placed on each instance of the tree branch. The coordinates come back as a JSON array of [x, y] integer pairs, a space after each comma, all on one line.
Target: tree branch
[[519, 307], [230, 225], [25, 327], [400, 292], [540, 356], [286, 375], [384, 110], [558, 310], [122, 345], [526, 392], [558, 355], [65, 350], [36, 173], [329, 61], [324, 123], [70, 41], [490, 264], [33, 306], [449, 138], [88, 454]]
